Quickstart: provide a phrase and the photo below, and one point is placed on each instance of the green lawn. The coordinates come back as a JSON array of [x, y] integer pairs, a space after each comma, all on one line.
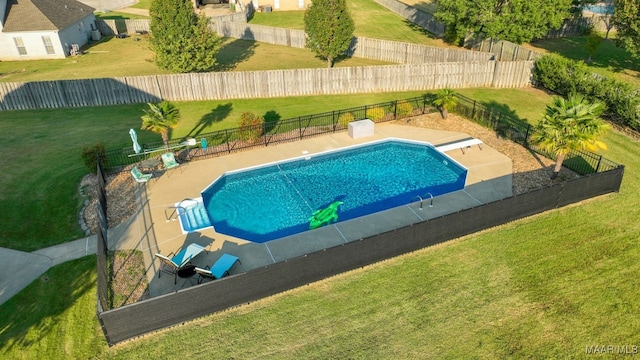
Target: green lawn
[[369, 17], [54, 317], [142, 4], [543, 287], [104, 59], [116, 15]]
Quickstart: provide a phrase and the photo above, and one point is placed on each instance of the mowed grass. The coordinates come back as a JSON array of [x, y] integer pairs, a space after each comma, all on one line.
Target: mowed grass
[[543, 287], [103, 59], [526, 104], [372, 20], [54, 317]]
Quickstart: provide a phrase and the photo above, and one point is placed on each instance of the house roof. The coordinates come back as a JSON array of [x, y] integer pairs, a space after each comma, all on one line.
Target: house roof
[[34, 15]]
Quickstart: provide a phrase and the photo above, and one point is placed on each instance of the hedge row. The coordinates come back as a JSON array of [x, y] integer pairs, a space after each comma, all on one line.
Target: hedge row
[[565, 76]]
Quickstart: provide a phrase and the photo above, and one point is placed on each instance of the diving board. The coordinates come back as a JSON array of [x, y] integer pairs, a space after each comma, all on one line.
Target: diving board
[[464, 144]]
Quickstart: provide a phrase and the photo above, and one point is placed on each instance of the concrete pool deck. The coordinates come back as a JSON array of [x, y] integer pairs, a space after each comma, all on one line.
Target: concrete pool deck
[[489, 179]]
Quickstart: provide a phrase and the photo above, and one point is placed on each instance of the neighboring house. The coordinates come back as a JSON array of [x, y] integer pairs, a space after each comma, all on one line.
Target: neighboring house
[[278, 4], [43, 29]]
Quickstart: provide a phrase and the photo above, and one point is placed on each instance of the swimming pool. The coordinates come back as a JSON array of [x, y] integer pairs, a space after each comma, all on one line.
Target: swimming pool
[[600, 9], [278, 199]]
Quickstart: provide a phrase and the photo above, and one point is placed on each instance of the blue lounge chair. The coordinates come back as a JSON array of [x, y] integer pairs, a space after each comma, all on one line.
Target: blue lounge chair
[[173, 263], [169, 161], [219, 269], [139, 176]]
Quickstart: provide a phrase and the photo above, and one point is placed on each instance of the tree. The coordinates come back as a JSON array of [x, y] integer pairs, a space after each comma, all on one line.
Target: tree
[[159, 118], [445, 100], [182, 40], [593, 43], [626, 19], [517, 21], [570, 124], [329, 28]]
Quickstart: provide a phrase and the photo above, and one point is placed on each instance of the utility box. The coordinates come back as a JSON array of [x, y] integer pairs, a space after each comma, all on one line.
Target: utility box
[[95, 35], [361, 128]]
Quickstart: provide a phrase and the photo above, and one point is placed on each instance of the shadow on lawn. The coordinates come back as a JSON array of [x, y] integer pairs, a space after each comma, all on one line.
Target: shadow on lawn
[[218, 114], [234, 52], [502, 108], [30, 316]]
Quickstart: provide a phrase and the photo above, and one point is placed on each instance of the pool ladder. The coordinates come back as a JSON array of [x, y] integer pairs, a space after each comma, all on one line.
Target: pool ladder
[[421, 198], [176, 211]]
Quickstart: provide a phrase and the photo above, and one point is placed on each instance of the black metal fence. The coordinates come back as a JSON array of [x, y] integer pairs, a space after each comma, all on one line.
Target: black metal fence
[[102, 253], [518, 131], [273, 131], [149, 315]]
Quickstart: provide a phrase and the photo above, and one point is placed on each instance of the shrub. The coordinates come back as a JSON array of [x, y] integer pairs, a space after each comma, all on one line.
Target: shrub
[[375, 113], [251, 126], [566, 76], [445, 100], [90, 154], [345, 119], [403, 109]]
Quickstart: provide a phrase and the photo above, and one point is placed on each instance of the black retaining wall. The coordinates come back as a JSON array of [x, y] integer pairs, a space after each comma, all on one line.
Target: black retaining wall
[[146, 316]]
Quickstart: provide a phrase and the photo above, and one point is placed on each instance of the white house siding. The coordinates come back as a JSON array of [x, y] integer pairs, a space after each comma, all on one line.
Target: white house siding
[[33, 44], [282, 5], [78, 33]]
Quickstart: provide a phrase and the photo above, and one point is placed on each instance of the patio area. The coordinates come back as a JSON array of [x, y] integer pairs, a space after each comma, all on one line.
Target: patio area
[[489, 179]]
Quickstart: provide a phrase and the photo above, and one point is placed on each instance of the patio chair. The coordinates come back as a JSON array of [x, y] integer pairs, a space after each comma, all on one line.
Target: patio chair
[[169, 161], [219, 269], [139, 176], [173, 263]]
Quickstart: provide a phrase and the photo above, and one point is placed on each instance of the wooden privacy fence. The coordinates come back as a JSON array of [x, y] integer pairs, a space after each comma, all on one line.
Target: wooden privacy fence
[[384, 50], [263, 84], [503, 50]]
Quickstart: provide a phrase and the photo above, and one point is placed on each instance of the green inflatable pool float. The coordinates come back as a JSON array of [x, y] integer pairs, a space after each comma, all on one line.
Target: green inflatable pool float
[[324, 216]]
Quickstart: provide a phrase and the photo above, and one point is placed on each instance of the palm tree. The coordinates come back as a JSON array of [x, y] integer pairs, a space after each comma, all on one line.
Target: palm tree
[[445, 100], [159, 118], [570, 124]]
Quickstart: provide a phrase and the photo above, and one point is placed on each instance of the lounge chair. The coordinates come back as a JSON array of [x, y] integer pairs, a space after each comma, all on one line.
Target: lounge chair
[[169, 161], [173, 263], [219, 269], [139, 176]]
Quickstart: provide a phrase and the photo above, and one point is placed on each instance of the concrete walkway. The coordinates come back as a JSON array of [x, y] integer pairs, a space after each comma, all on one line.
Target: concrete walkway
[[18, 269]]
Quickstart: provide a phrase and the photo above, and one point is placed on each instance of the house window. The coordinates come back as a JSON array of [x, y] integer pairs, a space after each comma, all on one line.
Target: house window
[[48, 45], [22, 50]]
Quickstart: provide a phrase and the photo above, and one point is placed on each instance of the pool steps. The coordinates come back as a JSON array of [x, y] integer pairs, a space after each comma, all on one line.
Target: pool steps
[[192, 216]]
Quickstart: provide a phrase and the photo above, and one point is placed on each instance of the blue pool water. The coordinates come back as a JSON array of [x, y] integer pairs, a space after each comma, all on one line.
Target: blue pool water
[[277, 200], [600, 9]]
